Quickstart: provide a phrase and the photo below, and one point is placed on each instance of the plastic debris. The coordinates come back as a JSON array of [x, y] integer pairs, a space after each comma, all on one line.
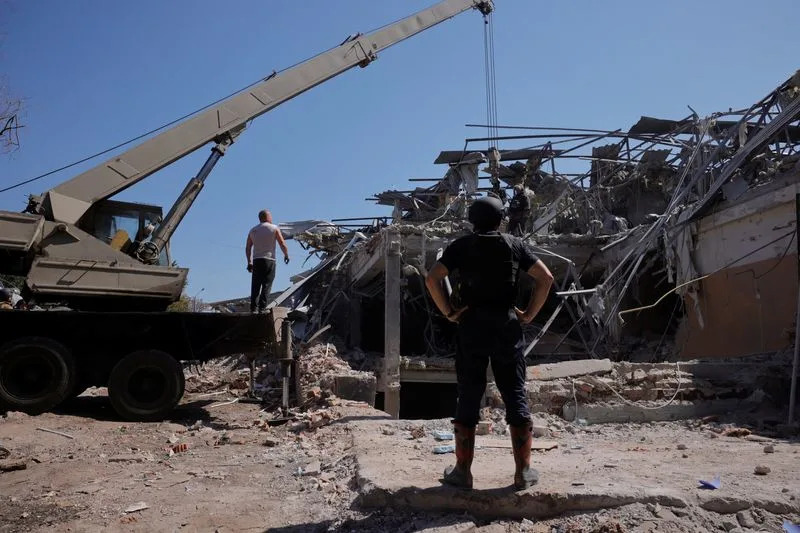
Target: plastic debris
[[138, 506], [789, 527], [443, 435], [447, 448], [712, 485]]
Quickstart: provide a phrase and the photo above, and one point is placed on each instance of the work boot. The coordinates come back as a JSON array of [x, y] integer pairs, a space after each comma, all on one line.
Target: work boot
[[460, 475], [521, 441]]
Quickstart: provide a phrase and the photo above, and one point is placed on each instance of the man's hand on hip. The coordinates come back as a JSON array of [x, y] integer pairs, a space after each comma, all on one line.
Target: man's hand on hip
[[250, 267], [286, 259], [523, 317]]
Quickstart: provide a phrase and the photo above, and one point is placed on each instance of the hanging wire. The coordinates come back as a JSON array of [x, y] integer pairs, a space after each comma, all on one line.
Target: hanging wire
[[492, 81], [486, 80]]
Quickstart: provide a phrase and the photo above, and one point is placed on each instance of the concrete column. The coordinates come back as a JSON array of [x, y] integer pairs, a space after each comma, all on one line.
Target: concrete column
[[391, 341]]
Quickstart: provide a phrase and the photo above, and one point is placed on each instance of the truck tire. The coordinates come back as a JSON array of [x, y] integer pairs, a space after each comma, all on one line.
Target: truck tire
[[146, 385], [36, 374]]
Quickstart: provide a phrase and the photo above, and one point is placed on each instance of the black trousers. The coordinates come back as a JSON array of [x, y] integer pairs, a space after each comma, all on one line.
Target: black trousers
[[490, 335], [261, 283], [516, 225]]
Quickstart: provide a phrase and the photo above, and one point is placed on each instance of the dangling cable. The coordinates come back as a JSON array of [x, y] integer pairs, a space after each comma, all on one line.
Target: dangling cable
[[486, 67], [492, 79]]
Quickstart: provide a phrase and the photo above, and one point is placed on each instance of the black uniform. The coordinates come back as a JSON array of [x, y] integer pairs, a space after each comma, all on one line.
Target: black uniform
[[518, 210], [487, 265]]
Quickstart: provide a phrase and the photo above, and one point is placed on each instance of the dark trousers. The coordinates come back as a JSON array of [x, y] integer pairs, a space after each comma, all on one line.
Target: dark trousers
[[490, 336], [516, 225], [261, 285]]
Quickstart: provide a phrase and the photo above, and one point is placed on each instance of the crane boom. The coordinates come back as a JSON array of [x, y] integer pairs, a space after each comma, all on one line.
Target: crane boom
[[70, 200]]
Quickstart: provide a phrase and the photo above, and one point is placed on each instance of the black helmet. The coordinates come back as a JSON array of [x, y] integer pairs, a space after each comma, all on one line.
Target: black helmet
[[486, 213]]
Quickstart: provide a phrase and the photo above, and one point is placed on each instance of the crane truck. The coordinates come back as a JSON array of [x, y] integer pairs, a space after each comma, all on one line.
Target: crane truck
[[108, 262]]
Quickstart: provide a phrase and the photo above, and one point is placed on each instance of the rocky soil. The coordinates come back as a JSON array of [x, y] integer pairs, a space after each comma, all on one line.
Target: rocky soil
[[223, 464]]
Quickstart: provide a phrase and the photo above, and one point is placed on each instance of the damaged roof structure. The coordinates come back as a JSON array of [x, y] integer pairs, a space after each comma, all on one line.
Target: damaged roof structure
[[671, 240]]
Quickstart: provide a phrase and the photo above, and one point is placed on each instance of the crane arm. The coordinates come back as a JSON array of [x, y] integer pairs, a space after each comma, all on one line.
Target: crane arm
[[221, 123]]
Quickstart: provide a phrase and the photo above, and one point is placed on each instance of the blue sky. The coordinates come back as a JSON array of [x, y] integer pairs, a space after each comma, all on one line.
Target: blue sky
[[94, 73]]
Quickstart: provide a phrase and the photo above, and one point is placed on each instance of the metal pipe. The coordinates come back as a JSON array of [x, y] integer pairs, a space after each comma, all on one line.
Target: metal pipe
[[796, 363], [286, 361], [576, 292], [149, 251]]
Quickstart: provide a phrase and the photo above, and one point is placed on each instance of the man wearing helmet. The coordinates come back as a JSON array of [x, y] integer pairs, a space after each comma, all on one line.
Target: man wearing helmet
[[487, 263]]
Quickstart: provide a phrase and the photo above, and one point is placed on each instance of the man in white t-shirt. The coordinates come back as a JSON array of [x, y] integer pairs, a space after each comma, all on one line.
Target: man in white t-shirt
[[260, 252]]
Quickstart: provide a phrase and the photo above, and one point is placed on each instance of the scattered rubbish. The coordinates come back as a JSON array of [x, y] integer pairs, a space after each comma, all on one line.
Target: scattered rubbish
[[136, 507], [128, 458], [610, 465], [484, 427], [715, 483], [443, 435], [446, 448], [761, 470], [736, 432], [271, 443], [4, 452], [207, 394], [681, 446], [540, 431], [9, 466], [173, 439], [387, 431], [417, 432], [576, 447], [179, 448], [789, 527], [213, 405], [312, 469], [769, 448], [578, 483], [54, 432]]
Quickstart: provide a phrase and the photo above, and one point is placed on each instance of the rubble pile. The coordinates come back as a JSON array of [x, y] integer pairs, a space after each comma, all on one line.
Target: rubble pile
[[324, 373], [225, 374], [561, 389], [626, 220]]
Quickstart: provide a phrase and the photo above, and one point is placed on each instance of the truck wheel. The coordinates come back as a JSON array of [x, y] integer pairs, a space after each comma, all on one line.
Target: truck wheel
[[146, 385], [36, 374]]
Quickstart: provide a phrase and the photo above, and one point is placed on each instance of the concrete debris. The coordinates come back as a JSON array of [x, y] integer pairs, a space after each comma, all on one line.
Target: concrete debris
[[635, 239], [136, 507], [762, 470]]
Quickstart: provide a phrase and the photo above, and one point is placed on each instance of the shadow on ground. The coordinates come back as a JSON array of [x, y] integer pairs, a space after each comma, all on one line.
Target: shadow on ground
[[99, 408], [380, 521]]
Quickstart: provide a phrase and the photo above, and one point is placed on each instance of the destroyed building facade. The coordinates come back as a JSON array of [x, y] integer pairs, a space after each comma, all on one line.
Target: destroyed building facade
[[673, 240]]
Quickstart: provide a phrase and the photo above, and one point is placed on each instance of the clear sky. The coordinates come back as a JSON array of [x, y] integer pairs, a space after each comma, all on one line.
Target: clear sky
[[96, 72]]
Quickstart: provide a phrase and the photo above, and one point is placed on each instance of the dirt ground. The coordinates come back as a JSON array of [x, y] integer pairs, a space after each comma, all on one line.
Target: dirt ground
[[349, 468]]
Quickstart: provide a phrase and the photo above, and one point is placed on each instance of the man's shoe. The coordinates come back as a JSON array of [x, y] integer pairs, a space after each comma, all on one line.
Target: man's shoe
[[521, 441], [460, 474]]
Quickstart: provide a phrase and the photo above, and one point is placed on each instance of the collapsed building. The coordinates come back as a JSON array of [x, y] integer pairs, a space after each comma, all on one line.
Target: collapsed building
[[673, 240]]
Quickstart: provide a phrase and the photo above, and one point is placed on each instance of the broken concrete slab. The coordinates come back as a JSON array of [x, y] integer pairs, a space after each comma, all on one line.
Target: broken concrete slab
[[551, 371], [357, 387], [603, 413]]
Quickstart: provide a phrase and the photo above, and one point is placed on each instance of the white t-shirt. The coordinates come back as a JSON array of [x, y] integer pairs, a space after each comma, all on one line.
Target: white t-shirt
[[263, 239]]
